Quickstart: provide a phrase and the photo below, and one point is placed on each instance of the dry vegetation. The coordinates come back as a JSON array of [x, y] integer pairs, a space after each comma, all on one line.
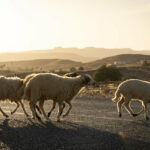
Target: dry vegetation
[[99, 90]]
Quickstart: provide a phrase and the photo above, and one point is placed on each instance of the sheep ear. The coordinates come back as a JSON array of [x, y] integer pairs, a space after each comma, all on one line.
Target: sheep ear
[[73, 74], [86, 79], [89, 79]]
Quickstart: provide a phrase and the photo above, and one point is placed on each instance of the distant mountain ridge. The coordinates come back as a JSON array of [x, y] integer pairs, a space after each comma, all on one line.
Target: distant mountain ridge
[[76, 54]]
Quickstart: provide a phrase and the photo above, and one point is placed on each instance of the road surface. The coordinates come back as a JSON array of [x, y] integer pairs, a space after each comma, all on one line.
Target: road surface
[[93, 124]]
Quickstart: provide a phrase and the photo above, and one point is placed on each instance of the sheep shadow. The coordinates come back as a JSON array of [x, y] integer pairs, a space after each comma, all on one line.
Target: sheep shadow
[[64, 135]]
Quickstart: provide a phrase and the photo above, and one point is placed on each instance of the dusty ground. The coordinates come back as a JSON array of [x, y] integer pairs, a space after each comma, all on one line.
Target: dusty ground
[[93, 124]]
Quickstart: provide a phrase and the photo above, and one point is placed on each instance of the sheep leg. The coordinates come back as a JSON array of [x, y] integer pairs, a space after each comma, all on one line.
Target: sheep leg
[[144, 110], [24, 109], [35, 115], [126, 104], [4, 114], [63, 106], [41, 103], [53, 107], [15, 108], [38, 109], [60, 111], [70, 107], [119, 105], [141, 111]]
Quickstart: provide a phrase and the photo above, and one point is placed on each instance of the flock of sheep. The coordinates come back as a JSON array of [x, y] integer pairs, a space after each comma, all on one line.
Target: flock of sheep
[[36, 88]]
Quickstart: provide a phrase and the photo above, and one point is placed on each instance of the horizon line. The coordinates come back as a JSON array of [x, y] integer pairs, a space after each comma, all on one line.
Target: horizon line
[[47, 49]]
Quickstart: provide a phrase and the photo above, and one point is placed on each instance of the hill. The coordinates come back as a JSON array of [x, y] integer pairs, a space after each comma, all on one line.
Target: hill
[[39, 65], [124, 59], [76, 54], [42, 54], [49, 65]]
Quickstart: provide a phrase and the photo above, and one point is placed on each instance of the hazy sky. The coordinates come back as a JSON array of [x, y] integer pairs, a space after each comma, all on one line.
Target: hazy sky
[[44, 24]]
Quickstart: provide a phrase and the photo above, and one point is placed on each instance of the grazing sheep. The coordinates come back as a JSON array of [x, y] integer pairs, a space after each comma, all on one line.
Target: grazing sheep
[[46, 86], [133, 89], [9, 87]]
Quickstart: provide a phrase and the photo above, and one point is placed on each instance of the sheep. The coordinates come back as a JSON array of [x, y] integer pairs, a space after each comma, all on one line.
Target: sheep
[[72, 74], [44, 86], [21, 91], [133, 89], [9, 87], [27, 78], [14, 94]]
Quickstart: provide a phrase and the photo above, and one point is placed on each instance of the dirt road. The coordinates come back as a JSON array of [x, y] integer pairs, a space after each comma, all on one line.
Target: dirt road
[[93, 124]]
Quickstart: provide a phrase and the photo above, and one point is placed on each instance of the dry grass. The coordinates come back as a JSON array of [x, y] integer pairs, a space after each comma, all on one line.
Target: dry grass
[[99, 90]]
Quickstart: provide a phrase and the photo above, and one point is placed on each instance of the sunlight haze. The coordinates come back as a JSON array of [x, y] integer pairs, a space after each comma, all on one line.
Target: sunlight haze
[[45, 24]]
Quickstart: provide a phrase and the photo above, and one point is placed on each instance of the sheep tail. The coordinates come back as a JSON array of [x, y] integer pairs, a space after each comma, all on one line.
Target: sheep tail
[[117, 95]]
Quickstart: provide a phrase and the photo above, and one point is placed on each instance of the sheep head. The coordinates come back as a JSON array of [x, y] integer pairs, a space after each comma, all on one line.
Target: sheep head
[[87, 79], [73, 74]]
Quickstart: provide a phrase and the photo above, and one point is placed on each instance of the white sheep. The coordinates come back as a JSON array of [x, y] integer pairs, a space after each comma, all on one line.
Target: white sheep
[[26, 79], [130, 90], [72, 74], [46, 86], [9, 89]]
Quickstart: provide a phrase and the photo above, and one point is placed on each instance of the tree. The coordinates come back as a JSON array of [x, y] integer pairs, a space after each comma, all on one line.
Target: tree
[[110, 73], [80, 68]]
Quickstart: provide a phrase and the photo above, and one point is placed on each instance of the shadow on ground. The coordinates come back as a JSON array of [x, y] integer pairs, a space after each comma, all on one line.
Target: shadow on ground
[[64, 135]]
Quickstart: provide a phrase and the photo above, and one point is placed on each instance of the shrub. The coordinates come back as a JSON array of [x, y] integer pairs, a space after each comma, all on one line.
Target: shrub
[[145, 63], [80, 68], [110, 73]]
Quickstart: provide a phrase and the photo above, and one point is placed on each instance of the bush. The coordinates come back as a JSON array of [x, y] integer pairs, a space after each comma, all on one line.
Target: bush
[[145, 63], [80, 68], [110, 73]]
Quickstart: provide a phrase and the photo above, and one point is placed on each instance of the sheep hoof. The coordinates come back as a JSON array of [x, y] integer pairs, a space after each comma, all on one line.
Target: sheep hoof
[[146, 118], [39, 118], [27, 116], [49, 114], [134, 115], [120, 115], [6, 116]]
